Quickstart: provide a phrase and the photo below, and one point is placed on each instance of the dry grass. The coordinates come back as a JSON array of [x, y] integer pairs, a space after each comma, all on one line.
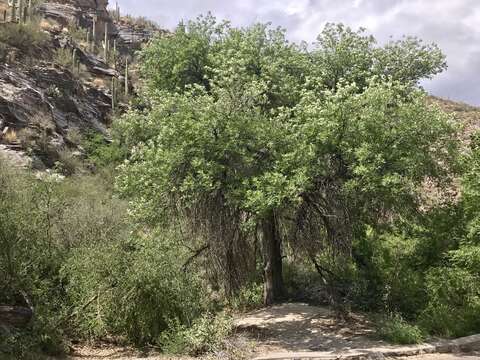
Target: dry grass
[[10, 136], [49, 25], [100, 83]]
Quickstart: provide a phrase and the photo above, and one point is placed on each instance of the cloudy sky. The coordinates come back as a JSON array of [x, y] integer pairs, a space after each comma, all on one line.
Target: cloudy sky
[[453, 24]]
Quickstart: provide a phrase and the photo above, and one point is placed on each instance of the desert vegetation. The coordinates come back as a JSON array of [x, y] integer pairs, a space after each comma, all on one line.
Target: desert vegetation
[[248, 171]]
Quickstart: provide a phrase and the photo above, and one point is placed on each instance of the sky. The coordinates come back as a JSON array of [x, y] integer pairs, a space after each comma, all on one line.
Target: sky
[[453, 24]]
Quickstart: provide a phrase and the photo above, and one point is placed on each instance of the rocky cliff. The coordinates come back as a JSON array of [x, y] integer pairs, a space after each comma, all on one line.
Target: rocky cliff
[[80, 12], [56, 91]]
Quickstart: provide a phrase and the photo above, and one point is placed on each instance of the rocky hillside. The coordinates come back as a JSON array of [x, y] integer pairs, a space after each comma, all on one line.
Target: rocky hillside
[[56, 86], [467, 116]]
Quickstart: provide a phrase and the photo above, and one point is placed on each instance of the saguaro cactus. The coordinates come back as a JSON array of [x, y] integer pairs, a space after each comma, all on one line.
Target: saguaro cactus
[[94, 31], [126, 78], [105, 45], [14, 10], [114, 54], [117, 11], [114, 90], [74, 60], [29, 10], [20, 11]]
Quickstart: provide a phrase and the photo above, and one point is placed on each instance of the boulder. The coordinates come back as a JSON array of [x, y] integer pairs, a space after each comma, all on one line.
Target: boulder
[[15, 316]]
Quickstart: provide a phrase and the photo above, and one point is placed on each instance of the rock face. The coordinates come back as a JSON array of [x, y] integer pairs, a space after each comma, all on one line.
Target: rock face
[[45, 110], [93, 63], [80, 12], [133, 35], [43, 107]]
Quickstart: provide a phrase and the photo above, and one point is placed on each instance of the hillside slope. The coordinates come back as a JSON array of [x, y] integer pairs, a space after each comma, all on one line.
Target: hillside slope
[[55, 83]]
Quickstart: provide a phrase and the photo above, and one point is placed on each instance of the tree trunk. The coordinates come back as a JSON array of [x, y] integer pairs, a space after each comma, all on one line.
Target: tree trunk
[[272, 253]]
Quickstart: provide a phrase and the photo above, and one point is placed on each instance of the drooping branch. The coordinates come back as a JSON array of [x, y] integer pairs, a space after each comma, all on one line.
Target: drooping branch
[[196, 254]]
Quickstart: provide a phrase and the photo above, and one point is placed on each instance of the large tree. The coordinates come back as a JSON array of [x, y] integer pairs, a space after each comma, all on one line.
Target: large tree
[[243, 131]]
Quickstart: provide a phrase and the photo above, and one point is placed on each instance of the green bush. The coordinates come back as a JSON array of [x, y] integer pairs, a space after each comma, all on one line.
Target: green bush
[[133, 289], [206, 334], [42, 219], [64, 57], [26, 37], [68, 163], [454, 302], [101, 152], [302, 282], [248, 298], [387, 277], [396, 330]]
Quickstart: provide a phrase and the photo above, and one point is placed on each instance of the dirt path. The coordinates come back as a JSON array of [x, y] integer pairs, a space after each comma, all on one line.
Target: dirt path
[[287, 328], [300, 327], [443, 357]]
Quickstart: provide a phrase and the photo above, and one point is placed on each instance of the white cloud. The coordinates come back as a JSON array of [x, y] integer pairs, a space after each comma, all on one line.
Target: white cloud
[[453, 24]]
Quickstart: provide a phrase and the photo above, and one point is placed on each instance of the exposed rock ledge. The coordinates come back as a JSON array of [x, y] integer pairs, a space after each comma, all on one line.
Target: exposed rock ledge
[[41, 107]]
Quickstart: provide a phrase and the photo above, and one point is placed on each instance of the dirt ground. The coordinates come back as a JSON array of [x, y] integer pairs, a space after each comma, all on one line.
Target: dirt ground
[[286, 328], [300, 327], [443, 357]]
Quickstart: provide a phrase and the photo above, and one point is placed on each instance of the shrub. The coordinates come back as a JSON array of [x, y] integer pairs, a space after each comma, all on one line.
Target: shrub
[[133, 289], [454, 302], [3, 52], [249, 297], [63, 57], [396, 330], [68, 163], [388, 279], [42, 219], [206, 334], [101, 152], [26, 37], [303, 283]]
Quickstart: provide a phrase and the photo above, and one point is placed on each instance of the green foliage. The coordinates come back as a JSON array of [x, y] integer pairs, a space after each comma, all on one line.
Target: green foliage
[[41, 221], [63, 57], [396, 330], [453, 285], [243, 123], [471, 186], [249, 297], [26, 37], [101, 152], [344, 55], [254, 121], [454, 295], [206, 334], [302, 282], [387, 276], [134, 289]]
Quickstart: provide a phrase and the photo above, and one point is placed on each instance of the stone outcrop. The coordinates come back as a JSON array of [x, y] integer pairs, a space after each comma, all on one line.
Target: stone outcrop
[[15, 316], [93, 63], [80, 12], [131, 35], [42, 106]]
